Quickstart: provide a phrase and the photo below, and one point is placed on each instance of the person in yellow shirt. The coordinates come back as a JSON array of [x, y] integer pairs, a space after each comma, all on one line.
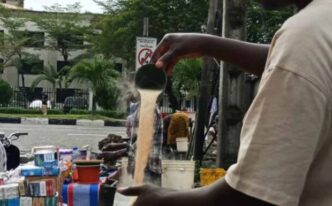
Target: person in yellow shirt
[[178, 127]]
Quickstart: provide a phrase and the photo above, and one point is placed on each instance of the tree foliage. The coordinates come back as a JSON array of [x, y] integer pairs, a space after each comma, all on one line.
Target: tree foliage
[[186, 78], [262, 24], [51, 75], [107, 97], [6, 92], [124, 23], [13, 43], [99, 73], [66, 28]]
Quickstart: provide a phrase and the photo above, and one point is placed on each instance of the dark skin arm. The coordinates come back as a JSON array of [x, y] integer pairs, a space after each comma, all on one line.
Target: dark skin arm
[[252, 59], [115, 146], [108, 156], [217, 194], [173, 47]]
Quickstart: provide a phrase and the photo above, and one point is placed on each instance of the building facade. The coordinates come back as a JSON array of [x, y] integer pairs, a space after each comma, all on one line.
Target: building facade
[[47, 56]]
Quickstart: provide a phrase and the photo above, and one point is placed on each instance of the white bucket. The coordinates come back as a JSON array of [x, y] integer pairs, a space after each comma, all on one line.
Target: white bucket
[[182, 144], [178, 174]]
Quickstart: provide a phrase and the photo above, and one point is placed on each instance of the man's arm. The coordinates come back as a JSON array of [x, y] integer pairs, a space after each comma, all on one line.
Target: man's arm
[[221, 192], [217, 194], [173, 47], [249, 56]]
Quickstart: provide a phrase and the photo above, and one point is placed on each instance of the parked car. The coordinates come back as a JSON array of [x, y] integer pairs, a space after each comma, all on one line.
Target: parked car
[[75, 102]]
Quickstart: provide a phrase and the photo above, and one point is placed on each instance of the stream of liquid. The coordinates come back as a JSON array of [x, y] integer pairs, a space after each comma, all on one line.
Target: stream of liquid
[[144, 134]]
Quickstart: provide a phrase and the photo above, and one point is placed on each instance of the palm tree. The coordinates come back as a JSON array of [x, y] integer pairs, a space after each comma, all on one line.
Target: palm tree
[[51, 75], [97, 72]]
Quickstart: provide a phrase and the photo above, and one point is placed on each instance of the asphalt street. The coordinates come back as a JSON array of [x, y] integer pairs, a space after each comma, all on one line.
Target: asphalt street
[[62, 136]]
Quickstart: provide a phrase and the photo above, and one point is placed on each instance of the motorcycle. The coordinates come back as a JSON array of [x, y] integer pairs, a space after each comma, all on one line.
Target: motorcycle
[[13, 152]]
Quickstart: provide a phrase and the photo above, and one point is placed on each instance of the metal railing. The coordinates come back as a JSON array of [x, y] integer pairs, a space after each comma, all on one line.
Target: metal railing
[[185, 104], [32, 98], [76, 98]]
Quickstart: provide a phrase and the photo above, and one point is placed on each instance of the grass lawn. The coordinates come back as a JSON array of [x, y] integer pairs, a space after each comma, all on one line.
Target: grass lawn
[[59, 116]]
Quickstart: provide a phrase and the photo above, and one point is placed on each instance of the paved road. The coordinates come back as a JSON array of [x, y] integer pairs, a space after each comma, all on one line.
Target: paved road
[[64, 137], [61, 136]]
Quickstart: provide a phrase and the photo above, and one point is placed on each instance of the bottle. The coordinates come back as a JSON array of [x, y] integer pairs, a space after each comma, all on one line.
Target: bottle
[[76, 154], [107, 192]]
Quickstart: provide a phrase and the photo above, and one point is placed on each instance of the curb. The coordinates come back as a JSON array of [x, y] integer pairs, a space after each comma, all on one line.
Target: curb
[[40, 121], [10, 120], [77, 122], [62, 121], [93, 123]]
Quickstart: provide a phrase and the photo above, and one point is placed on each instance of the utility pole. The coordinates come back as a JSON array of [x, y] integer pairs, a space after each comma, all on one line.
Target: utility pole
[[235, 90], [146, 26], [205, 90]]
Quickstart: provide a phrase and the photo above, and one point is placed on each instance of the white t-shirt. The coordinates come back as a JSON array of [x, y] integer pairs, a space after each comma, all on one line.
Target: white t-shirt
[[285, 155]]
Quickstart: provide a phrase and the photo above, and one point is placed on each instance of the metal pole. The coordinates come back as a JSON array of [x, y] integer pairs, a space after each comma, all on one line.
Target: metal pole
[[234, 91], [205, 86], [146, 26]]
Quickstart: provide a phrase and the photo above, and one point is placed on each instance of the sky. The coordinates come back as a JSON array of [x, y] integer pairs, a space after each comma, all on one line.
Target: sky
[[38, 5]]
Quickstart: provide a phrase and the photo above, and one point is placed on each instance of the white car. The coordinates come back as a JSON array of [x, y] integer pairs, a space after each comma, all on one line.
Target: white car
[[38, 104]]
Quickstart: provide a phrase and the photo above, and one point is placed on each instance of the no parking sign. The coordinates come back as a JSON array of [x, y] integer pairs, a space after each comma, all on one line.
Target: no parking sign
[[145, 47]]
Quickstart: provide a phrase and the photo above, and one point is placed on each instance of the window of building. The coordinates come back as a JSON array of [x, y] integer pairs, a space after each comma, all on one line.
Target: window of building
[[35, 39], [74, 40], [1, 66], [2, 37], [60, 65], [33, 67], [118, 67]]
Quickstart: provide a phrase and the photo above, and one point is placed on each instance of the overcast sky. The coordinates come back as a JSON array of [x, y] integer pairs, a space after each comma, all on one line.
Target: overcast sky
[[38, 5]]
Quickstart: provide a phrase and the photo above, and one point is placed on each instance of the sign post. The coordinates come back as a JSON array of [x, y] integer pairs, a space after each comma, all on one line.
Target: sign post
[[145, 47]]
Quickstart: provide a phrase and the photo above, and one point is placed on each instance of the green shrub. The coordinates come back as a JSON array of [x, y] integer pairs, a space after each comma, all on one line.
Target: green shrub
[[79, 111], [55, 111], [107, 97], [6, 92], [106, 113], [11, 110], [113, 114]]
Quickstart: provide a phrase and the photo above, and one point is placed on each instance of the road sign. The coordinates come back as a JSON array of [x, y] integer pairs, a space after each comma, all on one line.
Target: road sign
[[145, 47]]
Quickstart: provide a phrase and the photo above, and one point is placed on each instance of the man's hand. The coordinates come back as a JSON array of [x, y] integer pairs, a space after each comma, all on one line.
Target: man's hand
[[219, 193], [174, 47], [111, 147], [157, 196], [109, 156], [148, 195]]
